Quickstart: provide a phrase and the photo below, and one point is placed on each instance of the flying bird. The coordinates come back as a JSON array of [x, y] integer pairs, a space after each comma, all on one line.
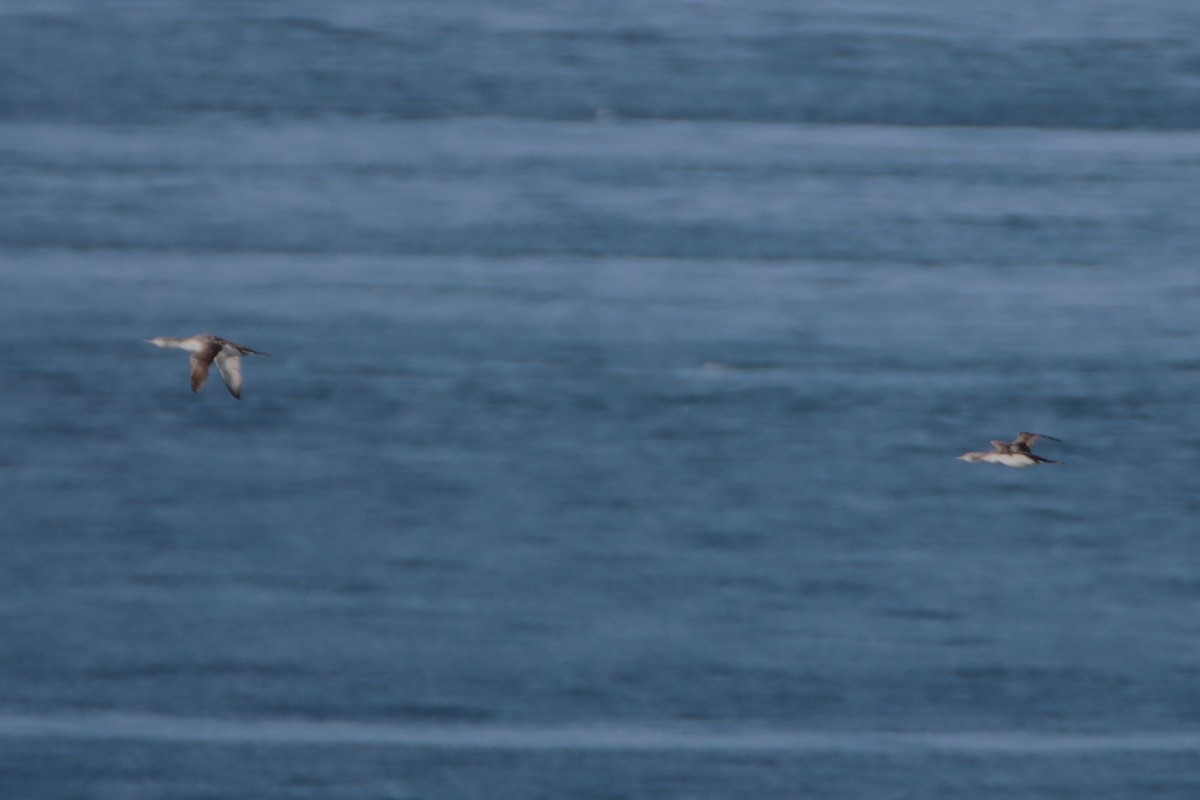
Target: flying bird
[[205, 349], [1017, 453]]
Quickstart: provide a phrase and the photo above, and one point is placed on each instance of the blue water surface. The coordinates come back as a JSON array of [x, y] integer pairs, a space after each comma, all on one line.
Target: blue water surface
[[620, 356]]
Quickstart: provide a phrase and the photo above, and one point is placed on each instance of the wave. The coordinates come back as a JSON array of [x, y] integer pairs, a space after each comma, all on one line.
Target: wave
[[105, 68]]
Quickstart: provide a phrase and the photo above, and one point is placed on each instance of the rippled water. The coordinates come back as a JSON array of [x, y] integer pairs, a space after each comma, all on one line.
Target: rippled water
[[606, 447]]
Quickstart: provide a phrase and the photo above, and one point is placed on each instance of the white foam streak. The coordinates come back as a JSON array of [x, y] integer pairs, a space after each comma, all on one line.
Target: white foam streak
[[724, 738]]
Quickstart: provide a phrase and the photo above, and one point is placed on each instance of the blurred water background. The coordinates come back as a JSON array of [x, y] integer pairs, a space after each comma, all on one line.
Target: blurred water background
[[621, 353]]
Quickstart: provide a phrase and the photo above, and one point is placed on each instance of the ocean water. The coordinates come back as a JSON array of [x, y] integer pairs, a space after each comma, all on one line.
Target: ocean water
[[620, 354]]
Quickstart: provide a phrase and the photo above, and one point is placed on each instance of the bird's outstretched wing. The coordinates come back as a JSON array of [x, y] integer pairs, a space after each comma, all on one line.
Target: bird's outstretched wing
[[201, 361], [231, 371], [1001, 447], [1025, 440]]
